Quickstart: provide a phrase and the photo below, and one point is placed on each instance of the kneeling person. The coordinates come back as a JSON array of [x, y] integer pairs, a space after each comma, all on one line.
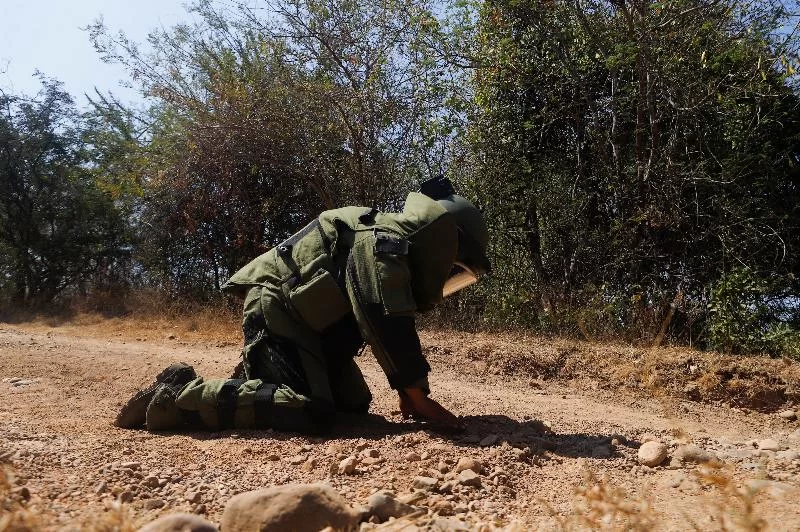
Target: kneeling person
[[353, 275]]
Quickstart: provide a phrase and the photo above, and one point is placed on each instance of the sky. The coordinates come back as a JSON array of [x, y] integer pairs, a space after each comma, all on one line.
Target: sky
[[46, 35]]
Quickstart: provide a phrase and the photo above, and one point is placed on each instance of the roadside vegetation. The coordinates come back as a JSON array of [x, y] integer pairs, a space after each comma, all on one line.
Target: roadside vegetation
[[637, 161]]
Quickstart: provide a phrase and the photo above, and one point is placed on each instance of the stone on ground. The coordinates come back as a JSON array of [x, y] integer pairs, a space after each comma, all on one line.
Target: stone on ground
[[691, 453], [789, 415], [291, 507], [652, 453], [424, 483], [348, 465], [383, 506], [179, 523], [469, 477], [472, 464], [769, 445]]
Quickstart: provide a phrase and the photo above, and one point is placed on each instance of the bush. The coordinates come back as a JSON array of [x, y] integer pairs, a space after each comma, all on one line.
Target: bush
[[752, 313]]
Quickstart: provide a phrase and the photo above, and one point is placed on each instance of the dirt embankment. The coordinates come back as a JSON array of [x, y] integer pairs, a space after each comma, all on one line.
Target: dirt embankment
[[555, 425]]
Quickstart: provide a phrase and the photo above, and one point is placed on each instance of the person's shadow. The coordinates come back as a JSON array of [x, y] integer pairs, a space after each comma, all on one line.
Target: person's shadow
[[482, 430]]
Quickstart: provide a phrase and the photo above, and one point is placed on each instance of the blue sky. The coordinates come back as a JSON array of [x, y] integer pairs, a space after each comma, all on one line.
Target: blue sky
[[46, 35]]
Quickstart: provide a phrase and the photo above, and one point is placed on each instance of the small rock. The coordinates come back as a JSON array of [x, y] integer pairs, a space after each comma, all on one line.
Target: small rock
[[787, 455], [297, 459], [179, 523], [372, 461], [151, 481], [101, 487], [769, 445], [652, 453], [444, 508], [22, 493], [647, 436], [788, 415], [194, 496], [126, 496], [489, 440], [310, 464], [424, 483], [451, 525], [446, 487], [370, 453], [691, 453], [383, 506], [348, 465], [413, 457], [522, 454], [130, 465], [153, 504], [472, 464], [468, 477], [170, 336], [290, 507]]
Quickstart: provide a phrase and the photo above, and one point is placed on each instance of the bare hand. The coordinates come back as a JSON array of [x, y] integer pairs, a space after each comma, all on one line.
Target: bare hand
[[415, 404]]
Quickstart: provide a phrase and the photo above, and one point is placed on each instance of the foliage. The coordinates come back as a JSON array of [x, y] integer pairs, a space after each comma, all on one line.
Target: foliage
[[58, 228], [635, 152], [749, 313], [261, 121], [637, 162]]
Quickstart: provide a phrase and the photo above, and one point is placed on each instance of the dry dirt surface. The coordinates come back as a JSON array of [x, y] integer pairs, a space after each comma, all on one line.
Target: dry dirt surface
[[553, 454]]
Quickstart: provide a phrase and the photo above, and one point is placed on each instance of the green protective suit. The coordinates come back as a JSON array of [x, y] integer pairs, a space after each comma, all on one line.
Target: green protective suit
[[353, 275]]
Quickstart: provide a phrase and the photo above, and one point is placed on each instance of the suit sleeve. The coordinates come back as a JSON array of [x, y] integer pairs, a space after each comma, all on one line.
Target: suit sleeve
[[379, 287]]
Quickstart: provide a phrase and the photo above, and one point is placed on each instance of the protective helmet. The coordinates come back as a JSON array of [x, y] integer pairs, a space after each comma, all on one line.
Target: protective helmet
[[473, 236]]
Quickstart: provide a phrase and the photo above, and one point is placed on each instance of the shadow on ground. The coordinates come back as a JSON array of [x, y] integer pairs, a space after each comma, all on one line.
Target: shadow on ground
[[482, 430]]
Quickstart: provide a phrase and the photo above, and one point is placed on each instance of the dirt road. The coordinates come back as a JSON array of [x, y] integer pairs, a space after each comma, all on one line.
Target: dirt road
[[538, 442]]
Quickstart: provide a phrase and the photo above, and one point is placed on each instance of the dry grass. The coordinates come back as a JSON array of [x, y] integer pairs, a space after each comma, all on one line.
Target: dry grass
[[597, 505], [14, 515], [733, 509], [756, 382], [117, 518], [141, 315]]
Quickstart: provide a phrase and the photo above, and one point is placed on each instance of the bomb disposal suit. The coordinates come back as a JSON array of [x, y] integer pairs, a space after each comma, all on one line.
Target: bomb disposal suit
[[351, 276]]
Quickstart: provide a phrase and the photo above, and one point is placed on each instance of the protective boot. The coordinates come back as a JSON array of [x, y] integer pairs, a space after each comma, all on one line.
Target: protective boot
[[162, 412], [134, 413]]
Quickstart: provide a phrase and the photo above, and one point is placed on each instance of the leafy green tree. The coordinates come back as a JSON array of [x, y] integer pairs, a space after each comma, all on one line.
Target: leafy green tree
[[58, 229], [636, 151]]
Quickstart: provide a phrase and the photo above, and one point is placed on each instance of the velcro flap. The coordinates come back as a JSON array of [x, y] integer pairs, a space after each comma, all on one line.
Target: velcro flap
[[386, 243]]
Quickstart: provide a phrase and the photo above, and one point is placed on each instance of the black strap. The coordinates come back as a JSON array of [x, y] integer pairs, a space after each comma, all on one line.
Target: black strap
[[226, 403], [262, 405]]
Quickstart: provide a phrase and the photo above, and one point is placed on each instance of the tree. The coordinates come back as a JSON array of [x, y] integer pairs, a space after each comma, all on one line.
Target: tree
[[57, 227], [636, 151], [260, 122]]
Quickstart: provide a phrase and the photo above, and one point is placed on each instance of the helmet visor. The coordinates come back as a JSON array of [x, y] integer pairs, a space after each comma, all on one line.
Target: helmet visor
[[461, 276]]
